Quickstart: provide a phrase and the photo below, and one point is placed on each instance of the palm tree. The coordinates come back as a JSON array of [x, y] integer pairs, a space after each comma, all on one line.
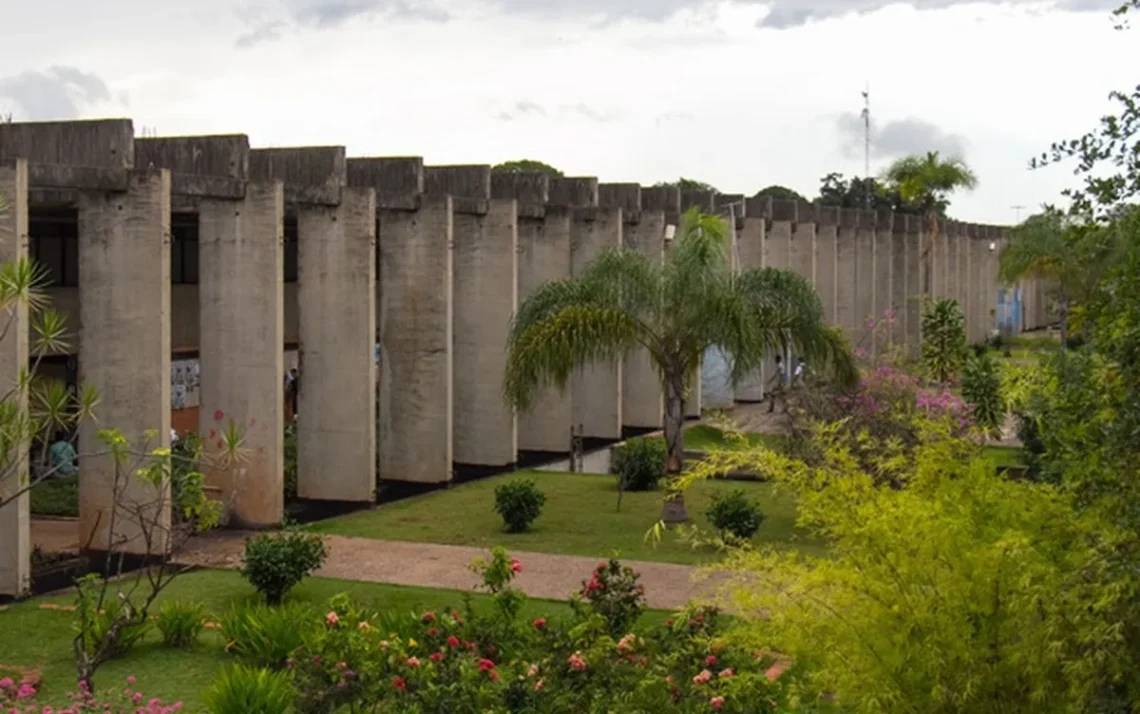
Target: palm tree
[[926, 183], [1071, 255], [674, 309]]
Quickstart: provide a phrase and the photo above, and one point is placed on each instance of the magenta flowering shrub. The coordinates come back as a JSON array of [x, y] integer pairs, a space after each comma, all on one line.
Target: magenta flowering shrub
[[128, 701]]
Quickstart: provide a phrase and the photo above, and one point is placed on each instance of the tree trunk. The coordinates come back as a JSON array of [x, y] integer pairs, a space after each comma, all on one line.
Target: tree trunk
[[1063, 310], [673, 510]]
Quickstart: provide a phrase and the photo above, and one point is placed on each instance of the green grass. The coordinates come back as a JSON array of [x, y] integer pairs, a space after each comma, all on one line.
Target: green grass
[[42, 638], [1004, 456], [55, 497], [579, 518]]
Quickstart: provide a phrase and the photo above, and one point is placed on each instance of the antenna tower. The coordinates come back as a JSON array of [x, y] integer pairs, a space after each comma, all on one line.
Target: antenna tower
[[867, 146]]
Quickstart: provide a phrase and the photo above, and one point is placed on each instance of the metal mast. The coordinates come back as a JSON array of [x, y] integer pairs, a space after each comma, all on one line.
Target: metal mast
[[867, 146]]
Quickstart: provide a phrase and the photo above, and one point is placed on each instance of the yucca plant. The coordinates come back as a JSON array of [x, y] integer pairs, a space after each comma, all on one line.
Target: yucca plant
[[180, 623], [249, 690], [266, 636], [943, 339]]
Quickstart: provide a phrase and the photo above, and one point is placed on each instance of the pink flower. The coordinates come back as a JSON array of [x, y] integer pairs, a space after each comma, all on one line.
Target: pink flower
[[399, 684], [577, 661], [710, 660], [703, 677], [726, 673], [453, 641], [383, 644], [539, 685], [6, 682], [493, 675], [25, 691], [486, 665], [516, 565], [428, 617], [436, 657], [332, 618], [219, 415], [130, 680], [539, 623], [413, 662], [533, 670], [363, 625], [716, 702]]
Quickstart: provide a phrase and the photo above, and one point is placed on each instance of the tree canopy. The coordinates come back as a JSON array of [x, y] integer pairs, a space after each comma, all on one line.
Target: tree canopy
[[526, 165], [688, 184], [779, 193], [835, 189]]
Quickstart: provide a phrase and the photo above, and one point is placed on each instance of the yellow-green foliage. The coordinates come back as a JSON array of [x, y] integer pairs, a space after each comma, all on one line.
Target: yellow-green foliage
[[961, 592]]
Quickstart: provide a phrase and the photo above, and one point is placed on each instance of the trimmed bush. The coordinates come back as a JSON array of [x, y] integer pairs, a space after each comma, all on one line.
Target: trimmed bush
[[639, 464], [734, 513], [275, 562], [180, 623], [519, 503]]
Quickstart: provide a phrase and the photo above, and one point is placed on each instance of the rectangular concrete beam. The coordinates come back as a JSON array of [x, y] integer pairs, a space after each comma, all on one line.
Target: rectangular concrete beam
[[415, 315], [579, 191], [101, 143], [15, 520], [626, 196], [311, 174], [468, 186], [336, 434], [398, 181], [661, 198], [124, 352], [200, 166], [530, 189], [241, 333], [642, 404]]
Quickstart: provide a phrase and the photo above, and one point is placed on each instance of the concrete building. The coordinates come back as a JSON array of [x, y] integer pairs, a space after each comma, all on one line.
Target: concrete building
[[196, 271]]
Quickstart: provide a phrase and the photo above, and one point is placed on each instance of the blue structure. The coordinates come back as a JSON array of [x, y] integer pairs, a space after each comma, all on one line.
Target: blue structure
[[1009, 317]]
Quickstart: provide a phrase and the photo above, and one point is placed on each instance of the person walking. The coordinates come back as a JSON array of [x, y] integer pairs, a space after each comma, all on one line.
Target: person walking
[[775, 386]]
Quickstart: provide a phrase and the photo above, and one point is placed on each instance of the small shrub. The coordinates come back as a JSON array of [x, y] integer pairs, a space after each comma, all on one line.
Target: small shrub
[[275, 562], [109, 630], [180, 623], [519, 503], [981, 387], [639, 464], [266, 636], [943, 339], [247, 690], [613, 593], [1033, 446], [736, 514]]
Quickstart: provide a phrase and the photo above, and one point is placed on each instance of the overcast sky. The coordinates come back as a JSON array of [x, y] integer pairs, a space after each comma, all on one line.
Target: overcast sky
[[739, 94]]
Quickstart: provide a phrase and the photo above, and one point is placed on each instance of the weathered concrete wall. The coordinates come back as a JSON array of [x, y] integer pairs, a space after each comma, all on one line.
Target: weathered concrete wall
[[915, 236], [884, 263], [485, 280], [312, 174], [846, 282], [15, 522], [241, 299], [215, 166], [826, 267], [902, 282], [865, 279], [124, 291], [643, 405], [100, 143], [778, 252], [544, 256], [750, 243], [597, 388], [336, 437]]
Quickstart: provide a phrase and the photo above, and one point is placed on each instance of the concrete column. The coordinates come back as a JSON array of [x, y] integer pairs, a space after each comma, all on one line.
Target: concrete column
[[414, 316], [915, 236], [124, 351], [978, 249], [485, 284], [336, 296], [884, 263], [998, 237], [242, 330], [826, 267], [596, 389], [865, 278], [543, 257], [902, 282], [706, 202], [15, 522], [750, 249], [643, 213], [801, 258], [778, 250], [950, 242], [846, 280]]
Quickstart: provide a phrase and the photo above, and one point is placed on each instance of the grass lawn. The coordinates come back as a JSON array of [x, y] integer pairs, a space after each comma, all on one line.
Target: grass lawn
[[579, 518], [42, 638], [55, 497]]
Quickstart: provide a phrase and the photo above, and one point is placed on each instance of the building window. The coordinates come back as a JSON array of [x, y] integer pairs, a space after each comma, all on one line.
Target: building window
[[290, 249], [55, 245], [184, 249]]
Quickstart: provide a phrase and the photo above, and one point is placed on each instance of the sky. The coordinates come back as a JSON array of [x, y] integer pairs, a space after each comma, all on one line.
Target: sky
[[738, 93]]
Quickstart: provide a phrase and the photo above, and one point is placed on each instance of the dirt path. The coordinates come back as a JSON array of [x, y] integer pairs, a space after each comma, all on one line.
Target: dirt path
[[544, 575]]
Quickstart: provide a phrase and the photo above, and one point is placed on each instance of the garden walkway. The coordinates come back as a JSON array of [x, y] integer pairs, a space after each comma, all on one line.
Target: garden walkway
[[544, 575]]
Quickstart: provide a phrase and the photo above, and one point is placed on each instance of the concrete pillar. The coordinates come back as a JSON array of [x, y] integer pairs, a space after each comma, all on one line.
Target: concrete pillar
[[865, 278], [903, 283], [336, 297], [124, 352], [643, 213], [846, 279], [596, 389], [543, 257], [15, 522], [826, 267], [750, 243], [978, 249], [950, 242], [706, 202], [414, 312], [801, 257], [884, 263], [485, 284], [778, 250], [911, 228], [242, 331]]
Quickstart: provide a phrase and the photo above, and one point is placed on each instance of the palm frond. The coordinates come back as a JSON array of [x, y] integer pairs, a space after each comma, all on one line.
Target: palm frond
[[1036, 249], [626, 279], [547, 352]]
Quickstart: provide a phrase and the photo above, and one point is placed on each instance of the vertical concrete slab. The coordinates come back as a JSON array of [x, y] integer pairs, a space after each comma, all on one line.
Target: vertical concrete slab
[[950, 241], [15, 520], [544, 256], [706, 202], [979, 320], [846, 281], [336, 296], [802, 247], [915, 237], [826, 267], [485, 285], [597, 388], [241, 300], [124, 351], [750, 251], [778, 249], [902, 282], [866, 276], [643, 401], [884, 262]]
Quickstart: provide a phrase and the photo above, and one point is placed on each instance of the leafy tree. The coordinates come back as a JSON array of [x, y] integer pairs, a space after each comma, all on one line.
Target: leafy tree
[[675, 310], [1070, 254], [526, 165], [688, 184], [926, 182], [837, 190], [779, 193]]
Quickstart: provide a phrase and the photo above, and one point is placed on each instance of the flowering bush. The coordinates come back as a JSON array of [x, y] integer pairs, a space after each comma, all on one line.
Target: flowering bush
[[613, 593], [129, 701], [275, 562]]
